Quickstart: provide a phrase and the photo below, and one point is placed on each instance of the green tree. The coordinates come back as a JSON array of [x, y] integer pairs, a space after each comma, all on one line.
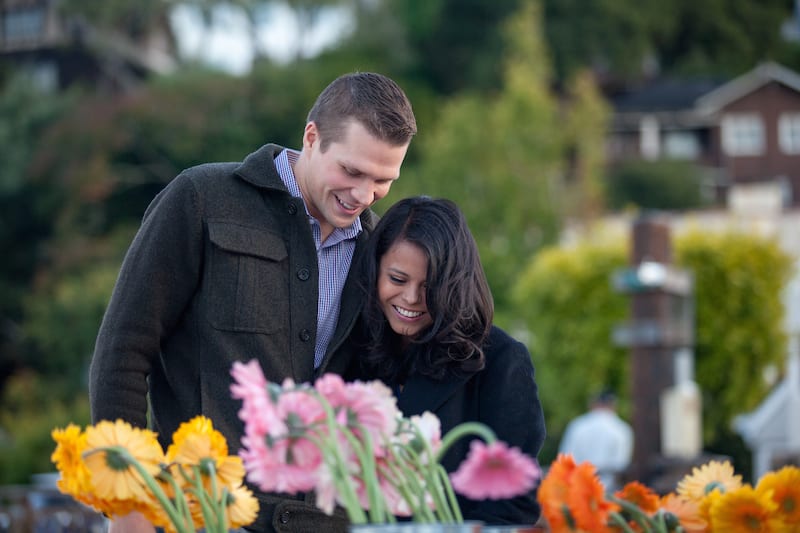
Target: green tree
[[26, 209], [565, 299], [500, 158], [739, 316], [457, 44], [665, 184], [626, 40]]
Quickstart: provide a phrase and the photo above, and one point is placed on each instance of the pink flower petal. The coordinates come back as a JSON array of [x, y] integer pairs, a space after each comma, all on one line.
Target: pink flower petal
[[495, 472]]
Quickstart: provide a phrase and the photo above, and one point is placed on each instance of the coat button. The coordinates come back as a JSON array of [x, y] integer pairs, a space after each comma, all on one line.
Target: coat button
[[305, 335], [292, 209], [284, 517], [303, 274]]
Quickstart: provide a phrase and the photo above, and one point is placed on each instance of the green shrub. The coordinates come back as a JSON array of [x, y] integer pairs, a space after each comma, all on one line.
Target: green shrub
[[565, 300]]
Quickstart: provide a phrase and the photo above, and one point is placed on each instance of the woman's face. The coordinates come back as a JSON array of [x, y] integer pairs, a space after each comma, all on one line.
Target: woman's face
[[401, 289]]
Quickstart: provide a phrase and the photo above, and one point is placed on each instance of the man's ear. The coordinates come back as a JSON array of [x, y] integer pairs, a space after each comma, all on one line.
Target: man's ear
[[310, 135]]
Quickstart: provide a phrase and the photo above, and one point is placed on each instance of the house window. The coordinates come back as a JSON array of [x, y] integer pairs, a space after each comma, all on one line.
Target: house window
[[23, 25], [743, 134], [789, 133], [681, 145]]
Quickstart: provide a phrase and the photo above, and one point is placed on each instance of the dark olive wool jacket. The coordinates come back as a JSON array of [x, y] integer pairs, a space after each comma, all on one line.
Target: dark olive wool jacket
[[223, 269]]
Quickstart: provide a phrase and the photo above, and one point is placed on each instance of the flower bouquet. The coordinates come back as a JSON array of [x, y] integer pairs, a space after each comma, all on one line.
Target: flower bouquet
[[117, 469], [712, 499], [349, 444]]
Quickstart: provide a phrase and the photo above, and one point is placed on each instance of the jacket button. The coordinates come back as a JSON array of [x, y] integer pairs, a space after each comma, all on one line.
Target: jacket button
[[284, 517], [305, 335], [303, 274], [292, 209]]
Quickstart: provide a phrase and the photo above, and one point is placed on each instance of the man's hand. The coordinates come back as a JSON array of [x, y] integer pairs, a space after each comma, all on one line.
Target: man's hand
[[131, 523]]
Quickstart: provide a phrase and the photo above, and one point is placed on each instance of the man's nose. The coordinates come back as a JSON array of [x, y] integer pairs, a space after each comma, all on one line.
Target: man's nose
[[364, 193]]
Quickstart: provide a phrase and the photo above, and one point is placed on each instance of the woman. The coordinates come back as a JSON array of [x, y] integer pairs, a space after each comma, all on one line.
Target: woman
[[427, 332]]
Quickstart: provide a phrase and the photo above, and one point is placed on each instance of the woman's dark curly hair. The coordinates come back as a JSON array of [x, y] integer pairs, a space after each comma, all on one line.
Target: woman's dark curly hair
[[457, 295]]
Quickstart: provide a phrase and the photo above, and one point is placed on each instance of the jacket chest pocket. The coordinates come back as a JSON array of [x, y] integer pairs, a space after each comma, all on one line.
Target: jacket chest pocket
[[248, 281]]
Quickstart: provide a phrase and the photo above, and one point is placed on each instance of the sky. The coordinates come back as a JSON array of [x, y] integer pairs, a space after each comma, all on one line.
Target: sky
[[226, 44]]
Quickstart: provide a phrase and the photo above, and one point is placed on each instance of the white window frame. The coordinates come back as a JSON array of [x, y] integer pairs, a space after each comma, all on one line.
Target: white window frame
[[789, 133], [743, 134], [23, 25], [681, 144]]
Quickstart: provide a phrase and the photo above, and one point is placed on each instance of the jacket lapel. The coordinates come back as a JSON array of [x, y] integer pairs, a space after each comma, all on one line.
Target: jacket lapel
[[422, 393], [349, 307]]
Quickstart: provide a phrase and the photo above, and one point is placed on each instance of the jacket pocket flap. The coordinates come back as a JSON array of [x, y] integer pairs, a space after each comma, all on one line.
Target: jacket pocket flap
[[247, 240]]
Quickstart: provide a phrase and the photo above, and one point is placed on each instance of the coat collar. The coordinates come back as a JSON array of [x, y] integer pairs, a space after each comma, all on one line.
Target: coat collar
[[258, 168], [422, 393]]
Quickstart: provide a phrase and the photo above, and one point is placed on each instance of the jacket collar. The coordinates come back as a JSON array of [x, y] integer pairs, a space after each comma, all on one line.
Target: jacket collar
[[258, 168], [422, 393]]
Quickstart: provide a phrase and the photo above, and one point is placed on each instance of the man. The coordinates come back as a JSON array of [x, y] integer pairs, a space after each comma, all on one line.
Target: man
[[602, 438], [236, 261]]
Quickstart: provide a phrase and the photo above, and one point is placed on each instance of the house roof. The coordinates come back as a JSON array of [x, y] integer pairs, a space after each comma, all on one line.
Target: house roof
[[701, 95], [747, 83], [665, 95]]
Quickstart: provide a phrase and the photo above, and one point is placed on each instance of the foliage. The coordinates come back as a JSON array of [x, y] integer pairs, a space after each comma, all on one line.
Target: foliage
[[623, 42], [566, 300], [31, 406], [457, 43], [26, 209], [501, 158], [62, 318], [665, 184], [739, 320]]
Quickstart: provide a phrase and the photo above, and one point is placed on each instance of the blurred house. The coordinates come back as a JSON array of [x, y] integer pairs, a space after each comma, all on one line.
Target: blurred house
[[57, 50], [740, 132]]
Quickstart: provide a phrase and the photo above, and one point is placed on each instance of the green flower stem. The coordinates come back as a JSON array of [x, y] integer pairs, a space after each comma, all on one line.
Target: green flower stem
[[451, 496], [462, 430], [181, 504], [337, 464], [377, 504], [213, 516], [647, 524], [406, 469], [154, 487], [620, 522]]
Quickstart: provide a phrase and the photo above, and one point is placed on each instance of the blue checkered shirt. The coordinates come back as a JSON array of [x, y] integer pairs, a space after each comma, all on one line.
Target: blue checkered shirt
[[333, 259]]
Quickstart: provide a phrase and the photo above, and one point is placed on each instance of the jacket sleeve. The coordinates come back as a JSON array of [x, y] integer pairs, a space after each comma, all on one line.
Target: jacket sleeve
[[510, 406], [156, 282]]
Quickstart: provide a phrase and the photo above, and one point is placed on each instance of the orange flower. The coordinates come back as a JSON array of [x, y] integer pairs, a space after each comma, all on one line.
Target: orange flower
[[196, 443], [785, 489], [639, 495], [68, 458], [686, 511], [553, 493], [587, 499], [572, 497]]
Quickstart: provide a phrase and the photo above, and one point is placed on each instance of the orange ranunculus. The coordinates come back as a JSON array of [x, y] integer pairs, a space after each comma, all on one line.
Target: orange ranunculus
[[640, 495], [553, 494], [587, 500], [573, 499]]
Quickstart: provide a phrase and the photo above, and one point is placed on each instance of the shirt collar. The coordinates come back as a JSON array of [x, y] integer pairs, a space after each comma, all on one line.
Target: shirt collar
[[284, 163]]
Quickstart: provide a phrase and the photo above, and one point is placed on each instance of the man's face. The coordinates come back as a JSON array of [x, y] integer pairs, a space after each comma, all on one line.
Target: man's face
[[348, 177]]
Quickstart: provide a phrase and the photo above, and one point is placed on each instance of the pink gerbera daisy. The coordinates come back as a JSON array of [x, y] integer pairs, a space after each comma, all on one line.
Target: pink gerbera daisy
[[495, 472]]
